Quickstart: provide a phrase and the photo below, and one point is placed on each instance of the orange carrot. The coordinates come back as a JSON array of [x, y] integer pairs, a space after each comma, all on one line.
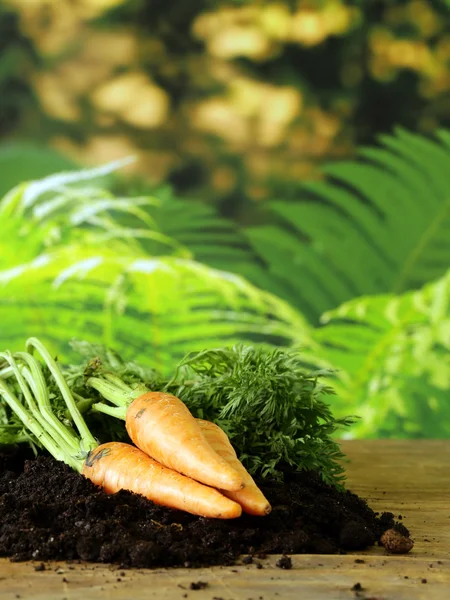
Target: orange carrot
[[115, 466], [162, 426], [250, 498]]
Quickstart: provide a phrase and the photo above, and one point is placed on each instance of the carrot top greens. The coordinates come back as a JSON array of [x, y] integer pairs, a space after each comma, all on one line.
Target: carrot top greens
[[274, 412]]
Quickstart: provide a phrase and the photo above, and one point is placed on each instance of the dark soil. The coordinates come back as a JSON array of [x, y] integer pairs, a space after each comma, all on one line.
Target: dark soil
[[49, 512]]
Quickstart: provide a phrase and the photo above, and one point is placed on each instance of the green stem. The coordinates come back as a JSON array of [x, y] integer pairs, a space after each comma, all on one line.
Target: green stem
[[56, 449], [84, 404], [36, 381], [117, 381], [118, 412], [109, 391], [87, 440], [115, 393], [47, 421], [5, 372]]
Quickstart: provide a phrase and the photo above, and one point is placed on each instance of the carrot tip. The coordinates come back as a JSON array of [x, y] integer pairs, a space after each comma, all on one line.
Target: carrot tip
[[268, 509]]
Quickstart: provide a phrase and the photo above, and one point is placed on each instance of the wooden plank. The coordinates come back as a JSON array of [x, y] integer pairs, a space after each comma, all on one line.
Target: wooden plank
[[312, 578], [406, 477], [411, 478]]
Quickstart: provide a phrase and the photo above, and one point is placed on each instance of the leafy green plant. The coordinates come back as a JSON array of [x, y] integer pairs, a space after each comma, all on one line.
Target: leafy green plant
[[274, 412], [211, 239], [374, 225], [392, 355], [52, 212], [71, 269], [380, 224]]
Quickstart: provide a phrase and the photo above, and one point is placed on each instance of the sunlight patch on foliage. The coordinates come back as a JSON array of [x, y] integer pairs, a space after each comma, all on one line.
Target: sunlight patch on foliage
[[392, 355]]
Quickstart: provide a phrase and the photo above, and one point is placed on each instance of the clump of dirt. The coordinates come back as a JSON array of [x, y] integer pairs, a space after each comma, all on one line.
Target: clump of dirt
[[198, 585], [47, 511], [285, 562], [395, 540]]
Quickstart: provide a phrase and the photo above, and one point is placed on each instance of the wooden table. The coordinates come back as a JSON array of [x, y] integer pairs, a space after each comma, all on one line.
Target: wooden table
[[408, 478]]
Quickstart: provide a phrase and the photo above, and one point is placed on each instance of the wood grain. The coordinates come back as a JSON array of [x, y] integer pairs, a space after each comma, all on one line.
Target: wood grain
[[407, 478], [411, 478]]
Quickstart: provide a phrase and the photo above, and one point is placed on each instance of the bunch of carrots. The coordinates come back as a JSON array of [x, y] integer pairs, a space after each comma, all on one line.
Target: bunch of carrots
[[178, 461]]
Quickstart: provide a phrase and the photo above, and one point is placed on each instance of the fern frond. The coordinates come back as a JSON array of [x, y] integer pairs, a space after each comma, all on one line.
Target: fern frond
[[60, 209], [393, 359], [154, 309], [379, 224], [76, 262], [211, 239]]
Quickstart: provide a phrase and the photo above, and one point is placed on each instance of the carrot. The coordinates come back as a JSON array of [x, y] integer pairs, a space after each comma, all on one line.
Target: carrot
[[162, 426], [116, 466], [250, 498]]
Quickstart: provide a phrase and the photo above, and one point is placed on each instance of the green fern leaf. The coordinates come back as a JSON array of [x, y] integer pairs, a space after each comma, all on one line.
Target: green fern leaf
[[60, 209], [76, 263], [151, 309], [376, 225], [393, 359], [211, 239]]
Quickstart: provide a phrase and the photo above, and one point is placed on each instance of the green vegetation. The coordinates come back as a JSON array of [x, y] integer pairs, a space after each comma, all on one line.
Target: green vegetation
[[273, 411], [392, 355], [352, 273], [70, 268], [374, 225]]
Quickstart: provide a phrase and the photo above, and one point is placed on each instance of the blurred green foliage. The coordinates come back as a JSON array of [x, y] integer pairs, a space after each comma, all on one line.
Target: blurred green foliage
[[23, 162], [70, 266], [392, 355]]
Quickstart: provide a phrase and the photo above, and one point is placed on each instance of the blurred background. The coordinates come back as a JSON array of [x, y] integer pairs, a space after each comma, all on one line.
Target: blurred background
[[290, 187]]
